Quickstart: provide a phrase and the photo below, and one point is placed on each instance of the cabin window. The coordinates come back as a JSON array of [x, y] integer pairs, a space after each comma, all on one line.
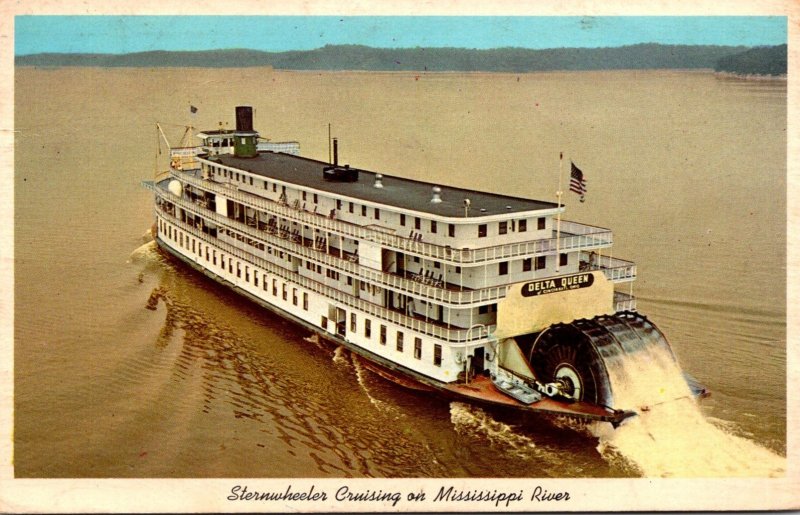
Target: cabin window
[[541, 262], [377, 214], [503, 268], [247, 273], [350, 207], [526, 264], [563, 259], [237, 176], [338, 204], [367, 328], [458, 269], [275, 187], [264, 282], [251, 181], [383, 335], [433, 226], [402, 219], [399, 341], [482, 231], [437, 355], [324, 323], [522, 225], [305, 301], [274, 287], [304, 196], [316, 198], [418, 348], [417, 223], [352, 322], [503, 228], [451, 230], [266, 185], [255, 279], [285, 291], [540, 223], [294, 296], [363, 210]]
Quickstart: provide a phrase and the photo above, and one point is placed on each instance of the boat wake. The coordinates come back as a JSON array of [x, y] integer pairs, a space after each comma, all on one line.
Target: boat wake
[[469, 420], [671, 437], [361, 377], [143, 252]]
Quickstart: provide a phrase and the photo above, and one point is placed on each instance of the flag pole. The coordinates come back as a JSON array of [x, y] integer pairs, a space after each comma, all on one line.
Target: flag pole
[[558, 214]]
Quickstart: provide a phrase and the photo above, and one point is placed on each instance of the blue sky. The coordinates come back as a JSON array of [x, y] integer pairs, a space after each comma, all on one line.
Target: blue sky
[[122, 34]]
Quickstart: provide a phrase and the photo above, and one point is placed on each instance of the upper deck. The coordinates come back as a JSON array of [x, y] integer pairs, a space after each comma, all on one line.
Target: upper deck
[[396, 192]]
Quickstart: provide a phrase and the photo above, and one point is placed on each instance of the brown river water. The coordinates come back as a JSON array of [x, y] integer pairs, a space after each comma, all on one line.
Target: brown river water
[[688, 169]]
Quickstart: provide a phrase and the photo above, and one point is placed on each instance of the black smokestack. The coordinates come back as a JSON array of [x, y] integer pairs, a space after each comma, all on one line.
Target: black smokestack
[[244, 119], [335, 152]]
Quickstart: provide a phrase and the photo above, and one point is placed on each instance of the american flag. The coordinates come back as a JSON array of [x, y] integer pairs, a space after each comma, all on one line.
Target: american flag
[[577, 183]]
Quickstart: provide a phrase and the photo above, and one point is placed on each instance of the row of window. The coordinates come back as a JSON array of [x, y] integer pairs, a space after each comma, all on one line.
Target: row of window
[[252, 275], [196, 247], [399, 338], [503, 227]]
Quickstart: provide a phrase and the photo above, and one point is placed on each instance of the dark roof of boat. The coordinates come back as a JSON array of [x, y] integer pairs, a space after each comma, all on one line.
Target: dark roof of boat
[[396, 192]]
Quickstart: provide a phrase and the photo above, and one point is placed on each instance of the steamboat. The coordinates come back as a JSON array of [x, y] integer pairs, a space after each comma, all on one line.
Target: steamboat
[[483, 297]]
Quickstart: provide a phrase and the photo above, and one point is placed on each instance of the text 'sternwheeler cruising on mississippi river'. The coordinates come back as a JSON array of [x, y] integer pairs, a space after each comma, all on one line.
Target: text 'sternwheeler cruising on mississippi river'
[[485, 297]]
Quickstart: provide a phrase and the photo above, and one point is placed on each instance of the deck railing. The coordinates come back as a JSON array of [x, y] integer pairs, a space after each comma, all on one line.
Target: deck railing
[[624, 302], [421, 326], [574, 236], [615, 269], [450, 298]]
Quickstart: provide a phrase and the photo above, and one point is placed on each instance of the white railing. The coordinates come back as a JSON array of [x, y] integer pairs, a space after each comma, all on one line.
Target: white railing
[[574, 236], [450, 298], [421, 326], [624, 302], [615, 270]]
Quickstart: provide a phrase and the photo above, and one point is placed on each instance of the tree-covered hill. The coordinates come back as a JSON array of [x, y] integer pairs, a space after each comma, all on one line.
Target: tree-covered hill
[[356, 57], [756, 61]]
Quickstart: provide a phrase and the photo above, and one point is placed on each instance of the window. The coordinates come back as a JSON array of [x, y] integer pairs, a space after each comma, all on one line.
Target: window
[[377, 214], [526, 264], [324, 323], [433, 226], [247, 273], [274, 287], [304, 196], [237, 176], [402, 219], [458, 269], [285, 292], [451, 230], [383, 335], [418, 348], [275, 187], [540, 223], [266, 185], [251, 181], [367, 327], [350, 207], [522, 226], [399, 341], [417, 223], [437, 355], [264, 282], [503, 228], [363, 210], [563, 259], [503, 268], [338, 204], [352, 322], [294, 296], [316, 199], [541, 262], [482, 231], [305, 301]]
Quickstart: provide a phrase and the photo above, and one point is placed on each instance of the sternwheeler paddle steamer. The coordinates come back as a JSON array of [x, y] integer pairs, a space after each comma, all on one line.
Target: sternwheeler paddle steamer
[[479, 296]]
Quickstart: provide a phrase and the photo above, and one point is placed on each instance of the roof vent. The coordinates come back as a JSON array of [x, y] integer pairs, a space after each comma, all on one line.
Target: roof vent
[[378, 180], [508, 208], [437, 195]]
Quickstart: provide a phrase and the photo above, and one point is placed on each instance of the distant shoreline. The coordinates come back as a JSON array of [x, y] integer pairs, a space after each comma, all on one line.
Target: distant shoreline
[[645, 56]]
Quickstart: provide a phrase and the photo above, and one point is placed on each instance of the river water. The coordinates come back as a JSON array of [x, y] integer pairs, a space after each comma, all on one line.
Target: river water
[[688, 169]]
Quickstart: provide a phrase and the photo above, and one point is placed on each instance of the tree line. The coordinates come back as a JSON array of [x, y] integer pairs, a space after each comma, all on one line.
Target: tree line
[[738, 59]]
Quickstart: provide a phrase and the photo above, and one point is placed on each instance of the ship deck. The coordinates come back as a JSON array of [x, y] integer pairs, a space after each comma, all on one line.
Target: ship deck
[[397, 192]]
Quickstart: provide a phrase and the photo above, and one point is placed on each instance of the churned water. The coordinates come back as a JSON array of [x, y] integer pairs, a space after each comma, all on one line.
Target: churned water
[[129, 365]]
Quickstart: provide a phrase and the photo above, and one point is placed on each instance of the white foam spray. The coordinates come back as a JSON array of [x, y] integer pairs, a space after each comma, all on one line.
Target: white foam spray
[[671, 437], [470, 420]]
